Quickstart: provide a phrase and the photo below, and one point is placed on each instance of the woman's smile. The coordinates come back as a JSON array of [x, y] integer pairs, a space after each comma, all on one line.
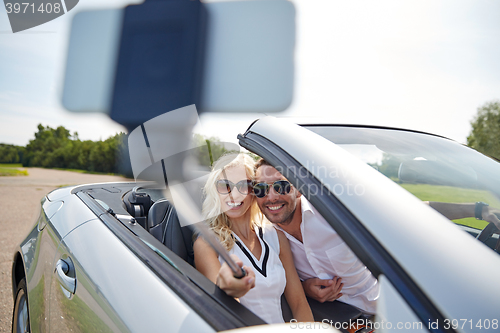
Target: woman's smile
[[234, 205]]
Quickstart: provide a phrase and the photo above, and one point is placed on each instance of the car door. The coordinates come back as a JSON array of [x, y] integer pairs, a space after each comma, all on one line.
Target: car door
[[99, 285], [39, 250], [421, 273]]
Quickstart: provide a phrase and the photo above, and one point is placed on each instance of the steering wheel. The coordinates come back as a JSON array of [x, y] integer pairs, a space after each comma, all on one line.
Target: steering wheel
[[487, 232]]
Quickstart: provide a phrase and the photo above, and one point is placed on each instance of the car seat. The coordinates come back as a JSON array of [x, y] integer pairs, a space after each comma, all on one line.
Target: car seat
[[163, 224]]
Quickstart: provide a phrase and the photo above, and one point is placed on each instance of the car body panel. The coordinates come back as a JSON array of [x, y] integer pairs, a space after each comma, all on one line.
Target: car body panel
[[60, 193], [38, 250], [128, 281], [63, 219], [115, 291], [287, 327], [393, 313], [51, 208], [401, 223]]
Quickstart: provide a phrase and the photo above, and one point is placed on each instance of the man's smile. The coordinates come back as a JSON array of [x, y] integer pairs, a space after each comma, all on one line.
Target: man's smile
[[275, 207]]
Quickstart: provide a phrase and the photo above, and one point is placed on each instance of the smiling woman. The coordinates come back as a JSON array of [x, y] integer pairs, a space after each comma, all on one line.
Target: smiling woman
[[224, 203], [232, 213]]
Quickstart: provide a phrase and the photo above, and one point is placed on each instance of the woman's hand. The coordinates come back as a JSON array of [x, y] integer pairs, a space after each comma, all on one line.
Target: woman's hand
[[232, 286]]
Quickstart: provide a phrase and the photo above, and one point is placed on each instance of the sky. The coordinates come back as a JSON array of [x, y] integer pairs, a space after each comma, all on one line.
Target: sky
[[422, 65]]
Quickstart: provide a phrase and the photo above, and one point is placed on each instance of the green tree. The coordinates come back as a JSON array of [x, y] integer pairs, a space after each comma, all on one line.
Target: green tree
[[10, 153], [57, 148], [485, 134], [389, 166], [209, 149], [123, 164], [47, 148]]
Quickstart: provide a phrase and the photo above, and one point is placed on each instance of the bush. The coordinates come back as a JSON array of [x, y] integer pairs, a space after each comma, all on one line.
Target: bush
[[56, 148], [485, 134]]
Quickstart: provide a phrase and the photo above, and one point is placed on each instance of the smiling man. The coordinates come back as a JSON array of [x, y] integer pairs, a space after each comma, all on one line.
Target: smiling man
[[329, 270]]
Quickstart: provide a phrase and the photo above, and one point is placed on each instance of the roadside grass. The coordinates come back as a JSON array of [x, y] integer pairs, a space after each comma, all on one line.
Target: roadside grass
[[11, 165], [12, 170], [88, 172], [7, 169], [440, 193]]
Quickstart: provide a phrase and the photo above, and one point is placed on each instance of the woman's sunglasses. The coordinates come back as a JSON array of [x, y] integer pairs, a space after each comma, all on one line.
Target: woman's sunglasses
[[280, 186], [225, 186]]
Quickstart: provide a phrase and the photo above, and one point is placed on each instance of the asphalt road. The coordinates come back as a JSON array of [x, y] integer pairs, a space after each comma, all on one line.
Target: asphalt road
[[19, 205]]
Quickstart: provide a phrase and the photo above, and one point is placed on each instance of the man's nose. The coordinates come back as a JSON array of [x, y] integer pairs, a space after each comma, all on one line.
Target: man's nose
[[272, 194]]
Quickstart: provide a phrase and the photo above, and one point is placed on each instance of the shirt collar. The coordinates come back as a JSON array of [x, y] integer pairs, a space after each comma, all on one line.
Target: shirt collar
[[306, 206]]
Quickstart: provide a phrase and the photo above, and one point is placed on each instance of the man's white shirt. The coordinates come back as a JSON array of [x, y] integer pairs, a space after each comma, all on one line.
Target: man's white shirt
[[324, 254]]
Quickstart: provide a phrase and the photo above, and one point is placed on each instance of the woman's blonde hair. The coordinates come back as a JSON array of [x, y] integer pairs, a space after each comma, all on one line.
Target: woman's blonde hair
[[212, 206]]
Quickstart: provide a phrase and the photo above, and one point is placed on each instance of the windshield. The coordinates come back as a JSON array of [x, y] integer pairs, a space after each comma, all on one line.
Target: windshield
[[430, 167]]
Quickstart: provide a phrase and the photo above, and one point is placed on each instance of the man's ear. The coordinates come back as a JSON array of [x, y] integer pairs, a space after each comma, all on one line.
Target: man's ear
[[297, 193]]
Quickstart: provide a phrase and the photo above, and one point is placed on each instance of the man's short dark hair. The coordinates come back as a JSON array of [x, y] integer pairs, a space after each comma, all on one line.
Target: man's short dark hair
[[260, 163]]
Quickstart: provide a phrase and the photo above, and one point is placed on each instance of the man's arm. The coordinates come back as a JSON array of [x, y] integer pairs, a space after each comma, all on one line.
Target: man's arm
[[323, 290], [454, 211]]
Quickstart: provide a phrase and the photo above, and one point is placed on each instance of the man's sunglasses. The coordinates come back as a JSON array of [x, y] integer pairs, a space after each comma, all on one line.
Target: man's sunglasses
[[225, 186], [280, 186]]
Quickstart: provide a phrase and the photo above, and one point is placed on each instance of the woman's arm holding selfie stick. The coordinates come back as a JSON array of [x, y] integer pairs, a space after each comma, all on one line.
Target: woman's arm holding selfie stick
[[207, 262]]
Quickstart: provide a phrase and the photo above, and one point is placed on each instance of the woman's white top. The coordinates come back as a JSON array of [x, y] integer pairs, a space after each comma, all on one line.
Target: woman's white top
[[270, 279]]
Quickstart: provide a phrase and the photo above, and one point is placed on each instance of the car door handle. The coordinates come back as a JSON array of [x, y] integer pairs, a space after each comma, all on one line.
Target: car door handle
[[65, 274]]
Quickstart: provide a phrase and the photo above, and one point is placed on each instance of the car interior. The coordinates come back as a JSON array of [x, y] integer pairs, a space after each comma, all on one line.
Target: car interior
[[153, 218], [145, 217], [430, 167], [149, 215]]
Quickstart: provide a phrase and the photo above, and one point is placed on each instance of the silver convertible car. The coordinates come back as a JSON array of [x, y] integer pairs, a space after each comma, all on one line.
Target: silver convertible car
[[114, 258]]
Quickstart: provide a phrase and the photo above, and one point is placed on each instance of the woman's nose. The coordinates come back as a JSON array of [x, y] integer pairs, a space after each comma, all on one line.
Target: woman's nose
[[236, 195]]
